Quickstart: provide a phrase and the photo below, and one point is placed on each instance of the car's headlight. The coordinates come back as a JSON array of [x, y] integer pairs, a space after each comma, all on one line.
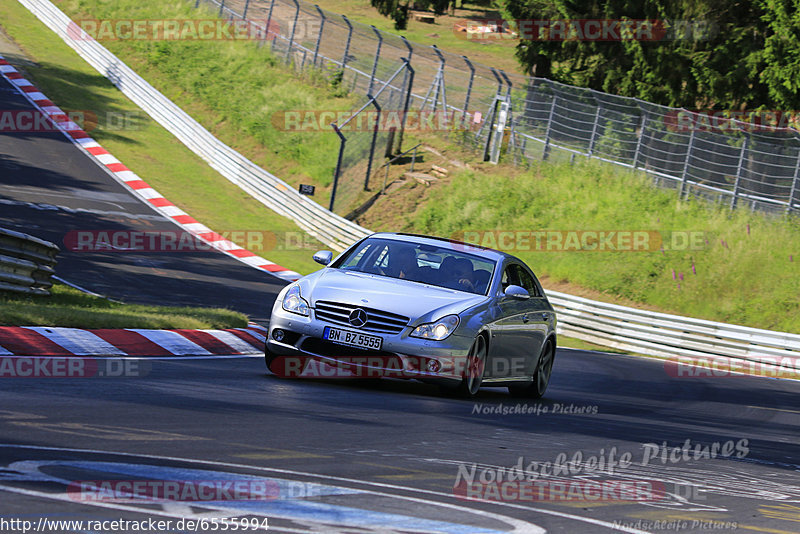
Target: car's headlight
[[438, 330], [293, 302]]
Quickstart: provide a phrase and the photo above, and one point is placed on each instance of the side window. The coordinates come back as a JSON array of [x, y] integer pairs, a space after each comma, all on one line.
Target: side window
[[510, 277], [526, 281]]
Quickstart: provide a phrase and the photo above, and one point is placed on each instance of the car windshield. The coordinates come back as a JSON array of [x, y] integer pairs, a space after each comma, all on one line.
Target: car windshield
[[416, 262]]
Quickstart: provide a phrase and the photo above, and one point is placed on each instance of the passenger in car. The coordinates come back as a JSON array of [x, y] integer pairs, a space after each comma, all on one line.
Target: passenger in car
[[403, 263]]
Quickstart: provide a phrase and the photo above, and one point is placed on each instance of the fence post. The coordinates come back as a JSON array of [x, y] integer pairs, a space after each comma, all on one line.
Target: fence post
[[246, 5], [294, 27], [347, 44], [321, 30], [268, 29], [469, 87], [377, 57], [739, 172], [439, 81], [593, 138], [686, 163], [374, 102], [637, 152], [221, 7], [406, 104], [196, 4], [794, 182], [338, 170], [546, 149]]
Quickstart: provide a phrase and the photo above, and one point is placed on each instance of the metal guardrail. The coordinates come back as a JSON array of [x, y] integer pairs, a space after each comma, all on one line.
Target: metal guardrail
[[26, 263], [606, 324], [672, 336], [274, 193]]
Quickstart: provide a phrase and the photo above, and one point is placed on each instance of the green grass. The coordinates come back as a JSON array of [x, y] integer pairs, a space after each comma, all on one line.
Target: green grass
[[159, 158], [69, 307], [744, 276], [749, 280], [497, 53]]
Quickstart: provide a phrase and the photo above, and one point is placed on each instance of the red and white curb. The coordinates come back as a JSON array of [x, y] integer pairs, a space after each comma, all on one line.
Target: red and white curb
[[138, 186], [56, 341]]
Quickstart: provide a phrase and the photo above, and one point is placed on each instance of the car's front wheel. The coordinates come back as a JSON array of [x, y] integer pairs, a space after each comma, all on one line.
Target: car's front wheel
[[541, 376], [473, 371]]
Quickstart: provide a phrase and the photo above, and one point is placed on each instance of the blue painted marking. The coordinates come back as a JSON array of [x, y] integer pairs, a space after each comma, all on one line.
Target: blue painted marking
[[287, 505]]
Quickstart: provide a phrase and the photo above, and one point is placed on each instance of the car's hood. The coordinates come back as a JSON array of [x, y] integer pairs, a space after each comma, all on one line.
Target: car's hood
[[414, 300]]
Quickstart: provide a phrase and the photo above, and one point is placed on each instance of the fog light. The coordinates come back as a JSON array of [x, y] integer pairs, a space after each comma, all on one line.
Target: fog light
[[434, 366], [278, 334]]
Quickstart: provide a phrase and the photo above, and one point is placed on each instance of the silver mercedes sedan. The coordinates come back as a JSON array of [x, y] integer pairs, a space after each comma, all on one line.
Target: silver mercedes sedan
[[410, 306]]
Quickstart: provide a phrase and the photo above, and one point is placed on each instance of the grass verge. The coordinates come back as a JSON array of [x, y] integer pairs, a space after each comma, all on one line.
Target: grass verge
[[160, 159], [69, 307], [742, 271], [735, 267]]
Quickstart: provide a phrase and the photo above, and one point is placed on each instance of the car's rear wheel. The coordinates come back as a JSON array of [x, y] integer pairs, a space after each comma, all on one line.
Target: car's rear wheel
[[541, 376], [474, 369]]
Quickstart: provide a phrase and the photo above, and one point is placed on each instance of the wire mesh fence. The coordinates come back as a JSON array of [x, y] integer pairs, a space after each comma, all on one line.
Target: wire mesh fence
[[737, 163], [370, 134]]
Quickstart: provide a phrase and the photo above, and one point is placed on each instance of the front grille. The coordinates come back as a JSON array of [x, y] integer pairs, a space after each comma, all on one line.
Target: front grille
[[378, 321]]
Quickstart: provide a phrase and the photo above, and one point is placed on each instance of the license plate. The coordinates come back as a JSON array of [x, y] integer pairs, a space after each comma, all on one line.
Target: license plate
[[354, 339]]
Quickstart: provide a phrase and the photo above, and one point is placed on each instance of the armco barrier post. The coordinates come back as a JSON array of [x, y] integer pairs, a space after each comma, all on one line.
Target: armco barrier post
[[546, 148], [246, 6], [638, 151], [739, 168], [686, 164], [794, 183], [595, 124]]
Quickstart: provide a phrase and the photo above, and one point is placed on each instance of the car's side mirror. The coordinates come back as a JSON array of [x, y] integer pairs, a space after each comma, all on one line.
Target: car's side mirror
[[516, 292], [323, 257]]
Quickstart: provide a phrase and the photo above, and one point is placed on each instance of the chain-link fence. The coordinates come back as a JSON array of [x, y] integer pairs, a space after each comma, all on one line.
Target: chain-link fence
[[371, 133], [740, 164]]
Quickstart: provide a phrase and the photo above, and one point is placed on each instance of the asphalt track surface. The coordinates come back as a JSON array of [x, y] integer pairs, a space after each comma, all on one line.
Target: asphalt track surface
[[49, 187], [358, 456]]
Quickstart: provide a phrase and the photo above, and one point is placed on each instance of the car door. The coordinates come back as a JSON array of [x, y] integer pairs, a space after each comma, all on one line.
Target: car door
[[535, 319], [509, 346]]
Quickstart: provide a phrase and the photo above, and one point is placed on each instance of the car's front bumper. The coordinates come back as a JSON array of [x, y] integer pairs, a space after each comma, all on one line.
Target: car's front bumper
[[400, 356]]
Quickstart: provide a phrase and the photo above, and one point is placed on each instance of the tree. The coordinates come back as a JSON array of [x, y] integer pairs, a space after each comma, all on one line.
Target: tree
[[704, 53], [398, 9], [782, 52]]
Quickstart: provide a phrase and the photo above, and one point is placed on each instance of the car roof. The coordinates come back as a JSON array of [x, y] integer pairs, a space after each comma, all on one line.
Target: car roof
[[452, 244]]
